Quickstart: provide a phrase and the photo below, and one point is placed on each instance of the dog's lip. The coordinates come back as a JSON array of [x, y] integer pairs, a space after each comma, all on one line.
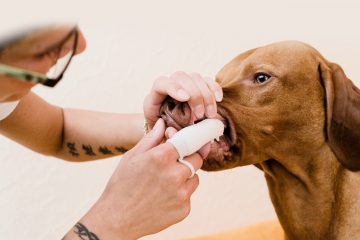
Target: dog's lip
[[222, 115], [213, 150], [178, 124], [230, 130], [226, 142]]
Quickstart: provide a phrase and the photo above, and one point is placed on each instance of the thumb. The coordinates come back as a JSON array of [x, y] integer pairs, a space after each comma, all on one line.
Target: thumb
[[150, 140]]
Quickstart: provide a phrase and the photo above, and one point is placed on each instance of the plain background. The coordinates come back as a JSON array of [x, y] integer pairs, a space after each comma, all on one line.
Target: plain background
[[130, 43]]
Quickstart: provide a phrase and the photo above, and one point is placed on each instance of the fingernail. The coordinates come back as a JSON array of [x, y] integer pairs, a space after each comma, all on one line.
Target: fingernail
[[210, 111], [199, 111], [182, 94], [218, 96]]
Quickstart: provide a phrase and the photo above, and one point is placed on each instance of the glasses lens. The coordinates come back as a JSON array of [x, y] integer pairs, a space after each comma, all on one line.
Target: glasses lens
[[58, 68], [63, 56]]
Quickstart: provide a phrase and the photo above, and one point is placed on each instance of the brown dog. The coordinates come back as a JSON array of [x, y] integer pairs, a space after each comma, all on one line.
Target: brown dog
[[295, 116]]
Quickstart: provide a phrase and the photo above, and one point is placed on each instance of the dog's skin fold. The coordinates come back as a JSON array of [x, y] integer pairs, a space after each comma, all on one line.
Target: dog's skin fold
[[297, 118]]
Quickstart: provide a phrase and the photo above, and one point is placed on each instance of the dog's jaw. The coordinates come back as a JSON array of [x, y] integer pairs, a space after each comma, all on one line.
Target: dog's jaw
[[225, 153], [220, 157]]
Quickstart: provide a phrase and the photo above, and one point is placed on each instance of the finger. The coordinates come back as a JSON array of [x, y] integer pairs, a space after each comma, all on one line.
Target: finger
[[195, 160], [165, 86], [191, 184], [169, 132], [207, 94], [164, 153], [216, 88], [151, 111], [150, 140], [195, 102]]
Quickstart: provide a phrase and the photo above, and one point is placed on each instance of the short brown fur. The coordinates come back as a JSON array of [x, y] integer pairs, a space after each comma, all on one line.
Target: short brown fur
[[302, 128]]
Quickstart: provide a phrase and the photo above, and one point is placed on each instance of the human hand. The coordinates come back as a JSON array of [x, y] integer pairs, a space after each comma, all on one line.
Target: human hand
[[148, 191], [200, 92]]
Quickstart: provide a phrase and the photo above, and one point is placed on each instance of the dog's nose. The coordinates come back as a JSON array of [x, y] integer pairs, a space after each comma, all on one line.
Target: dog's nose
[[176, 114]]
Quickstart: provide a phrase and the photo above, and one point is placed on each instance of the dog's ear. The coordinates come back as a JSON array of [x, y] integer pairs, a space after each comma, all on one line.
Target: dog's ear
[[342, 114]]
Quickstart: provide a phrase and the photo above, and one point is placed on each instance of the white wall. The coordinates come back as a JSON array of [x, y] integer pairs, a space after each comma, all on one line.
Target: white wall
[[129, 44]]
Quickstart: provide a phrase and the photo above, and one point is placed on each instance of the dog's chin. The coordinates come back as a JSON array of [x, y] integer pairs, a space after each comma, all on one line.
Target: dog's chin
[[223, 154]]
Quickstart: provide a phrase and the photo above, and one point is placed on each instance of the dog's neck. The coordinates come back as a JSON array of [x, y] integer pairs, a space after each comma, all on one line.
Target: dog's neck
[[314, 196]]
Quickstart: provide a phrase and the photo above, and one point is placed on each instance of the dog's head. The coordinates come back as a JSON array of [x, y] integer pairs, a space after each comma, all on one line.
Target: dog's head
[[281, 100]]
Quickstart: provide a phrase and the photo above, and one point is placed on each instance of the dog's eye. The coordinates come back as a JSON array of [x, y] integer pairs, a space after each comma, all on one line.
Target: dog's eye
[[261, 77]]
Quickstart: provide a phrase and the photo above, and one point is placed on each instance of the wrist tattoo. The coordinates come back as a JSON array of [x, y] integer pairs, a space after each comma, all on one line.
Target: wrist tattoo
[[83, 233]]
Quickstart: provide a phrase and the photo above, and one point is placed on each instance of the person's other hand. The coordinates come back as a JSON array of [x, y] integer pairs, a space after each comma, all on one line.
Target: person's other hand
[[201, 94], [149, 191]]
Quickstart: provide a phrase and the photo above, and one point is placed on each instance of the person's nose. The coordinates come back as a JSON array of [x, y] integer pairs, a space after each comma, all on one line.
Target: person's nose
[[81, 44], [80, 47]]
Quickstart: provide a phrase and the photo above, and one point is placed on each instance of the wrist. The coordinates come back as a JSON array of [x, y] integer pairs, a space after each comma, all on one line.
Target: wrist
[[106, 221], [101, 222]]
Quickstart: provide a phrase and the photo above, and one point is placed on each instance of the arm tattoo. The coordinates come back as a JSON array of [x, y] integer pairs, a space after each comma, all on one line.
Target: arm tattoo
[[88, 150], [83, 233], [72, 149], [120, 149], [104, 150]]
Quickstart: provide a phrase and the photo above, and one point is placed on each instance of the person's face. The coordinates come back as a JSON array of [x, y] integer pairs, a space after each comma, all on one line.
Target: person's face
[[36, 52]]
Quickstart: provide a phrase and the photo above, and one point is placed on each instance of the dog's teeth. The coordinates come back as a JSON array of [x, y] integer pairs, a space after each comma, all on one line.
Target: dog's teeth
[[217, 139]]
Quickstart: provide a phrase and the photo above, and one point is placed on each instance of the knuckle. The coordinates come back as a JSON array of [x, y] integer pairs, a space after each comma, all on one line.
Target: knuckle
[[157, 156], [183, 196], [186, 210], [208, 97], [158, 82], [179, 74], [196, 180], [160, 78], [169, 151], [175, 178], [213, 85], [196, 75], [196, 94]]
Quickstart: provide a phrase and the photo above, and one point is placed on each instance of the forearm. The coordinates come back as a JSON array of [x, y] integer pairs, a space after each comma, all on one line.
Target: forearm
[[89, 135]]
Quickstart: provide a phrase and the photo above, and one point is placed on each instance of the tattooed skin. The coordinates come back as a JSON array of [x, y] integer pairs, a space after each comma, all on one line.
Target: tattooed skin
[[83, 233], [104, 150], [72, 149], [120, 149], [88, 150]]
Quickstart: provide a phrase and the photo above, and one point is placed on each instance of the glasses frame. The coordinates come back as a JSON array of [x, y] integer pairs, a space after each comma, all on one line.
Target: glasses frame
[[35, 77]]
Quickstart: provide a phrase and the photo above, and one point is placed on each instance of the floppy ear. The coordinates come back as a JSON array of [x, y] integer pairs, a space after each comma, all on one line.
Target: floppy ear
[[343, 115]]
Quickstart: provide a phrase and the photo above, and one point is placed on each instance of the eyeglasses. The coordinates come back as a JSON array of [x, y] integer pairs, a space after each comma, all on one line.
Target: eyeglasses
[[56, 72]]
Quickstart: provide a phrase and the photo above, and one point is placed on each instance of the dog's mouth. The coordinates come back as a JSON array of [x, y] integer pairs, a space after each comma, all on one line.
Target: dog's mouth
[[217, 154]]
